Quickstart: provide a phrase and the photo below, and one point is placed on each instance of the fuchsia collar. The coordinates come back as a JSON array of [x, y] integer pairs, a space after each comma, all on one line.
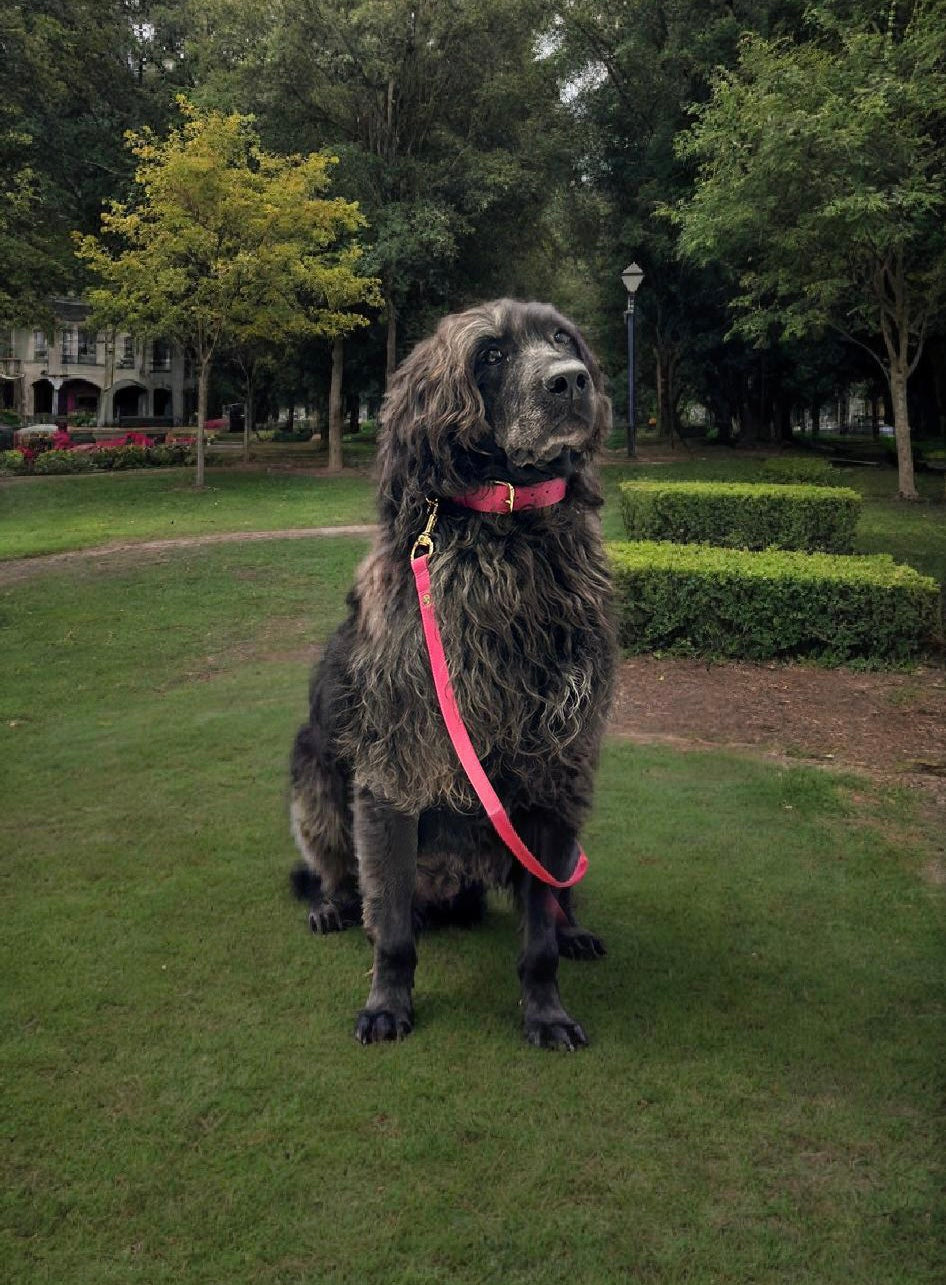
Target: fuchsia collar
[[503, 497]]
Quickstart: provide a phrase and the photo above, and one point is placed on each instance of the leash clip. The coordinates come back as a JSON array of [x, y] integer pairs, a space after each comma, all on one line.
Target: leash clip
[[425, 539]]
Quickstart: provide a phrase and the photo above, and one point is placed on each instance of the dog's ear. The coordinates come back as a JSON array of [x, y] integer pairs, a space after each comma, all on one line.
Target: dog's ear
[[586, 484], [602, 424], [431, 406]]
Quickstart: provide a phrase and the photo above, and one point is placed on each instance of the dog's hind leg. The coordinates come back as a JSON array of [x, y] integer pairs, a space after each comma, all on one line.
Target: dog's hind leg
[[386, 843], [545, 1022], [320, 816]]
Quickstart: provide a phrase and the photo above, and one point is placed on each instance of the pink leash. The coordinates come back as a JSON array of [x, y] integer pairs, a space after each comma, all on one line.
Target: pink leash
[[448, 705]]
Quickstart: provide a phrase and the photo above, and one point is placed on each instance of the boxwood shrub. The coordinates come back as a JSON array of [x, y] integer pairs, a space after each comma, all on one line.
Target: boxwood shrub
[[700, 600], [811, 470], [742, 515]]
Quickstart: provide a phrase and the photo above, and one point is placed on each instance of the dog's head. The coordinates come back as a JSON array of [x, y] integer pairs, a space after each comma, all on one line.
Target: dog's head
[[505, 391]]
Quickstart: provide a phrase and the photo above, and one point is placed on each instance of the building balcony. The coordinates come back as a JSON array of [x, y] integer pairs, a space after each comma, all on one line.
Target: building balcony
[[10, 367]]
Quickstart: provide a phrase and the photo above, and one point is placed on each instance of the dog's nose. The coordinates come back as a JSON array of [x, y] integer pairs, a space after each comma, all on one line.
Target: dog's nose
[[567, 379]]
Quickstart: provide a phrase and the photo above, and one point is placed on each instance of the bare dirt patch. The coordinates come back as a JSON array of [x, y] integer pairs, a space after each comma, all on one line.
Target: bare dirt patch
[[881, 722]]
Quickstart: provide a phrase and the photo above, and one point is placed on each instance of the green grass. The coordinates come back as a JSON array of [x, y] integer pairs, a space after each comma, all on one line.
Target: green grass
[[46, 515], [183, 1099]]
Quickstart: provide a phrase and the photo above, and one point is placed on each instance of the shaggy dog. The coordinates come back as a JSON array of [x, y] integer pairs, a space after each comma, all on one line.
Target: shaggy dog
[[389, 828]]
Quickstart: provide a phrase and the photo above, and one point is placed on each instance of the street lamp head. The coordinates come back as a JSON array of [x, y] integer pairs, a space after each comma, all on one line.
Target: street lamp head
[[632, 276]]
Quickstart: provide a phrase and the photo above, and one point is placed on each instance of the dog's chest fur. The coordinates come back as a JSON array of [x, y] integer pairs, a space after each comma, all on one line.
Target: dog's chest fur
[[523, 610]]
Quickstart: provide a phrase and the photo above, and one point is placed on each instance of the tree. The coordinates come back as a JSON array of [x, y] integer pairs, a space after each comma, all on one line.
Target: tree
[[225, 242], [444, 120], [631, 71], [820, 183]]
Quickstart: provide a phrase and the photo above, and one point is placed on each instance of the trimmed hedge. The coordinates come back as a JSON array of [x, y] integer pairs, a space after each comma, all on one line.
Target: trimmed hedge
[[810, 470], [700, 600], [742, 515]]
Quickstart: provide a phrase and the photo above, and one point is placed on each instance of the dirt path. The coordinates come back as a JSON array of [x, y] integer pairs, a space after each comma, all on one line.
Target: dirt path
[[18, 569], [882, 723]]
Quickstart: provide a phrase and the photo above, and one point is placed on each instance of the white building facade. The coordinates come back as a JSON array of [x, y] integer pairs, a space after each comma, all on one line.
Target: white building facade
[[104, 377]]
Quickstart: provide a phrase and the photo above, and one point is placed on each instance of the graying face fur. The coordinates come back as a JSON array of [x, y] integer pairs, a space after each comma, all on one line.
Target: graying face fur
[[539, 396]]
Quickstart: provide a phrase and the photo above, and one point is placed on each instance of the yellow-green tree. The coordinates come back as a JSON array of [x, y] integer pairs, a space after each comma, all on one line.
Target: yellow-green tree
[[224, 242]]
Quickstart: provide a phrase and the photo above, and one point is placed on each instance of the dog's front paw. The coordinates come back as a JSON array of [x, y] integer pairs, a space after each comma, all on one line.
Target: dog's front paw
[[373, 1026], [557, 1031], [575, 942]]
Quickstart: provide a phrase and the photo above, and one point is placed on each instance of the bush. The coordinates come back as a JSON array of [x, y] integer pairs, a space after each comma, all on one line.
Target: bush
[[170, 455], [15, 461], [810, 470], [124, 457], [699, 600], [63, 461], [743, 515]]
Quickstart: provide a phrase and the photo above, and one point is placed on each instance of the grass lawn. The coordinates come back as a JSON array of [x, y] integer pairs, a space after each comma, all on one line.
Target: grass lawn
[[183, 1098], [49, 514]]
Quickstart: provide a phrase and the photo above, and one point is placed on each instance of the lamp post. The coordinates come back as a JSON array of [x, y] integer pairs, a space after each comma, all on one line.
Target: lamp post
[[632, 276]]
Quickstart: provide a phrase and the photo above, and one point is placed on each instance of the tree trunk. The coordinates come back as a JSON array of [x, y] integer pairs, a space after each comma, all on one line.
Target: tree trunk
[[901, 425], [247, 417], [335, 408], [662, 395], [783, 420], [815, 418], [203, 381], [390, 362], [354, 409]]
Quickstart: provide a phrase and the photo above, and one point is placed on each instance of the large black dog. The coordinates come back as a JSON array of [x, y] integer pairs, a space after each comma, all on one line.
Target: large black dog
[[386, 821]]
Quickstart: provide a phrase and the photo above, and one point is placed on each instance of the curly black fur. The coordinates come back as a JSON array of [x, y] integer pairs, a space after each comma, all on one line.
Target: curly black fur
[[383, 815]]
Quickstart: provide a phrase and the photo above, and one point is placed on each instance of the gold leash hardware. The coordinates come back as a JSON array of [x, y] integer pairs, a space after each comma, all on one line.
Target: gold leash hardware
[[425, 539]]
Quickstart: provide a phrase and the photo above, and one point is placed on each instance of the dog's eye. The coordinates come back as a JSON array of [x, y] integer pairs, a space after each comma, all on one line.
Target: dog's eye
[[492, 355], [561, 337]]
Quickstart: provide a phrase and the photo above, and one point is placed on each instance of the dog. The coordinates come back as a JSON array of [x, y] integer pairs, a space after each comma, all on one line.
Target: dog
[[505, 395]]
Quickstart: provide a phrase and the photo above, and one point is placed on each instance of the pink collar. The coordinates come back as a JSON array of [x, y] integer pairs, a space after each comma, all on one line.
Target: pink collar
[[503, 497]]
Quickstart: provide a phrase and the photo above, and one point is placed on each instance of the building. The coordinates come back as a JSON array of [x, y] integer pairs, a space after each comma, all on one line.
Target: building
[[109, 377]]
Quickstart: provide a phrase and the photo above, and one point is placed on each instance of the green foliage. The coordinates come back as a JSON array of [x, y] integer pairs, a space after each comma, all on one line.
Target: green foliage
[[744, 515], [449, 128], [227, 243], [226, 239], [695, 599], [820, 185], [106, 458], [64, 462], [170, 455], [808, 470], [832, 213], [13, 461]]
